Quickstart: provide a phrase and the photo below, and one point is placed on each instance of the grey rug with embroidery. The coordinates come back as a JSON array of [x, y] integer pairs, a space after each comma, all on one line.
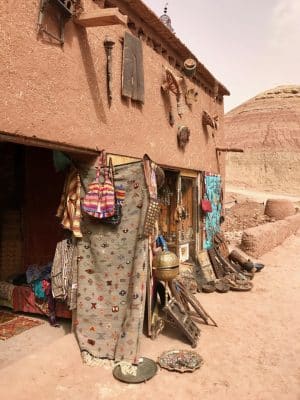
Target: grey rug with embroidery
[[112, 273]]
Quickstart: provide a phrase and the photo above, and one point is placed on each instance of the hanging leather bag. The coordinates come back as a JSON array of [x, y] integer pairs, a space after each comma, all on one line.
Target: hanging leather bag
[[206, 206]]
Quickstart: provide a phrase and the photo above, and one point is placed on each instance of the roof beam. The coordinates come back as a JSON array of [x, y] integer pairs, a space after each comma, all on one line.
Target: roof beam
[[102, 17]]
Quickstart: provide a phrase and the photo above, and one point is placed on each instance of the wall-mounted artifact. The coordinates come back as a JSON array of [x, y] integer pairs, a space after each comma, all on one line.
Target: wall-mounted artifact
[[191, 96], [133, 69], [189, 66], [184, 252], [183, 136], [172, 83], [109, 44], [180, 213], [207, 119], [62, 9]]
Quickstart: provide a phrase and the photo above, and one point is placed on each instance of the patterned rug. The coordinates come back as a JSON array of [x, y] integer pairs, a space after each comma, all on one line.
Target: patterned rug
[[6, 316], [11, 324]]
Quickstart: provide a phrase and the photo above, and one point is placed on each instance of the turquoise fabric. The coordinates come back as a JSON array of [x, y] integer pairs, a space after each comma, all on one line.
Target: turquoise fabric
[[212, 219], [38, 290]]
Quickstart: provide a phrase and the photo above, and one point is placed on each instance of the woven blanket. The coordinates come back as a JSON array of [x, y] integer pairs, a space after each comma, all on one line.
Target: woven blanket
[[16, 325], [112, 273]]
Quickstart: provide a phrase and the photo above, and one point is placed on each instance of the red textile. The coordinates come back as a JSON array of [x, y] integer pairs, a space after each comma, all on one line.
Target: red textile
[[24, 300]]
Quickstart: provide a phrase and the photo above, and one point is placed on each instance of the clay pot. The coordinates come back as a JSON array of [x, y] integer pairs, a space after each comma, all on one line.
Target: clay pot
[[279, 209]]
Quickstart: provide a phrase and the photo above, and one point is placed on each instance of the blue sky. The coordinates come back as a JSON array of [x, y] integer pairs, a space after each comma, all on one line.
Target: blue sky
[[250, 46]]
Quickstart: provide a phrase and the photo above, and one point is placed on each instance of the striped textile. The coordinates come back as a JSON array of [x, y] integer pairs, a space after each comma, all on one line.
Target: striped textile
[[120, 194], [99, 201], [70, 208]]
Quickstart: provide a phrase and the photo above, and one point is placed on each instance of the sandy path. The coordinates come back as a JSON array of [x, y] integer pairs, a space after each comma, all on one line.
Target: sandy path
[[253, 354]]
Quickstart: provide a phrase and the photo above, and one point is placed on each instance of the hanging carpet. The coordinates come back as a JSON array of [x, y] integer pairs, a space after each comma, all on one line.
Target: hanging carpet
[[112, 272], [212, 219]]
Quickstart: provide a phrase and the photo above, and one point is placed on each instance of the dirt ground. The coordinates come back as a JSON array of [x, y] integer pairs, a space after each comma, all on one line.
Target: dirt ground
[[242, 213], [253, 354], [245, 209]]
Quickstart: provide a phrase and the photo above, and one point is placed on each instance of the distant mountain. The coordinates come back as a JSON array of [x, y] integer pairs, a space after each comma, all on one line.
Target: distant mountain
[[268, 122]]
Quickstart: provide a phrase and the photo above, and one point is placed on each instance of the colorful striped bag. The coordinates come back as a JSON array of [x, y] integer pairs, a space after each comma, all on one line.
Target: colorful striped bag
[[99, 201], [119, 200]]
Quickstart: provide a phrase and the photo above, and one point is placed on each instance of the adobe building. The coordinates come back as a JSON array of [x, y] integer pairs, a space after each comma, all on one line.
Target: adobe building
[[82, 76], [267, 128]]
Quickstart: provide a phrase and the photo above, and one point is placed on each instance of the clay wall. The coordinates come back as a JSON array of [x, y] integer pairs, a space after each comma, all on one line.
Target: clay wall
[[259, 240], [264, 171], [59, 94]]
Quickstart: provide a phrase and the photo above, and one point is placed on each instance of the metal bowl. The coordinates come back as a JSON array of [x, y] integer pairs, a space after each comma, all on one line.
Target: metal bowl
[[167, 266]]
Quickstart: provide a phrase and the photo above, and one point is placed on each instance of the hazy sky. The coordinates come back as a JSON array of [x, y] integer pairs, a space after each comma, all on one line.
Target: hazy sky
[[248, 45]]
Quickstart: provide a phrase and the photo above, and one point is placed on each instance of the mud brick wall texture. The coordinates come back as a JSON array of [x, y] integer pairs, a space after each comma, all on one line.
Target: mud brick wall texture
[[261, 239]]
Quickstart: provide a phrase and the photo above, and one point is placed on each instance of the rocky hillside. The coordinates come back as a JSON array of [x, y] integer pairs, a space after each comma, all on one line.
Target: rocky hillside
[[271, 120], [267, 127]]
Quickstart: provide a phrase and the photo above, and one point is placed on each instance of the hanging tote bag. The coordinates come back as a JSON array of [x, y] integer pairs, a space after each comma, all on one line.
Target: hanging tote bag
[[119, 199], [99, 201]]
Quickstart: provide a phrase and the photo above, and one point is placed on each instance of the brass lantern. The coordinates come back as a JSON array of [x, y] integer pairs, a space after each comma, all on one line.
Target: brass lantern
[[167, 266]]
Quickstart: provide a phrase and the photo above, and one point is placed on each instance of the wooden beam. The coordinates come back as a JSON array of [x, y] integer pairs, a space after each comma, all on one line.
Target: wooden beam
[[47, 144], [102, 17]]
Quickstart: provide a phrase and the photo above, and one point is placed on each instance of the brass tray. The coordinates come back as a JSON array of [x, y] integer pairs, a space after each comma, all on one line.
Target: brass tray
[[180, 360], [146, 369]]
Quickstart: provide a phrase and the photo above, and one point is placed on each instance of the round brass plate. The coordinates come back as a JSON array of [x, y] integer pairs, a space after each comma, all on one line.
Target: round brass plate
[[146, 369]]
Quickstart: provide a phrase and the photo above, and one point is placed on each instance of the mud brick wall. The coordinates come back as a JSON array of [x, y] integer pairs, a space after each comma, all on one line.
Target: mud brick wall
[[261, 239]]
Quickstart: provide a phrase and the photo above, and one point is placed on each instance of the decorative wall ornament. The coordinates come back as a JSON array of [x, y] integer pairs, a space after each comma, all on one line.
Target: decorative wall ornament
[[191, 96], [184, 252], [189, 66], [209, 120], [109, 44], [183, 136], [172, 83]]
